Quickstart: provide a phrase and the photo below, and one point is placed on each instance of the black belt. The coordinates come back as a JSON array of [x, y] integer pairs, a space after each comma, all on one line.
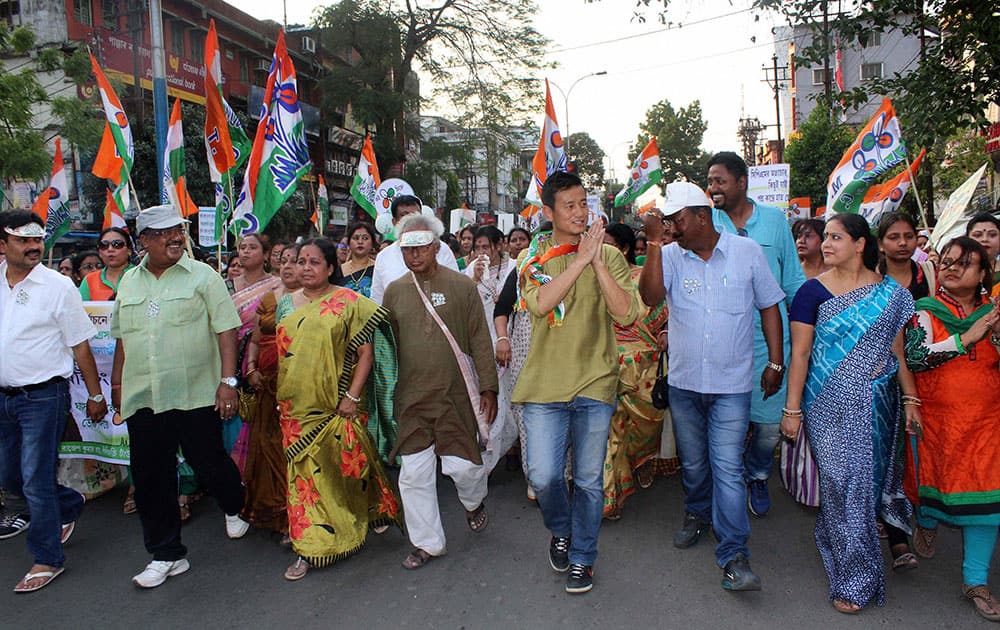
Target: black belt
[[24, 389]]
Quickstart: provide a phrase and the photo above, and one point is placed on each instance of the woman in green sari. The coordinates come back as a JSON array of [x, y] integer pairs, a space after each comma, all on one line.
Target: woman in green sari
[[337, 487]]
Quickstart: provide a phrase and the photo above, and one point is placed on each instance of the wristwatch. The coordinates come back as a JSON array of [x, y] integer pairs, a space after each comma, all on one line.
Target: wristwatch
[[230, 381], [97, 398]]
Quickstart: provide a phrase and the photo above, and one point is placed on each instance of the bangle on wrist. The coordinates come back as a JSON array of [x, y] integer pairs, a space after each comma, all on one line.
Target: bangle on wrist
[[499, 339], [249, 372], [912, 400], [793, 413], [657, 243], [352, 398], [777, 367]]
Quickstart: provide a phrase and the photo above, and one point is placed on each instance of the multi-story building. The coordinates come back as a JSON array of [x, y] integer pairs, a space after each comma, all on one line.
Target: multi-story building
[[117, 32], [492, 176], [851, 64]]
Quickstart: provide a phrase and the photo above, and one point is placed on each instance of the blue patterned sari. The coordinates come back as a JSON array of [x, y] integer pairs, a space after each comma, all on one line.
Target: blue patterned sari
[[853, 418]]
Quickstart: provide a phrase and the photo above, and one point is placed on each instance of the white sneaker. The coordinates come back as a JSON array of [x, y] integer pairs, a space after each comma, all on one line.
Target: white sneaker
[[236, 527], [158, 571]]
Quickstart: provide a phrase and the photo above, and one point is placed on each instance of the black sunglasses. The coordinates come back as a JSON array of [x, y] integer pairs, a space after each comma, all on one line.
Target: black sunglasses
[[117, 244]]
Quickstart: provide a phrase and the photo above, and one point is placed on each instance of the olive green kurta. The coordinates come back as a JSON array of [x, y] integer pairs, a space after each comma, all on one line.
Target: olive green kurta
[[432, 403]]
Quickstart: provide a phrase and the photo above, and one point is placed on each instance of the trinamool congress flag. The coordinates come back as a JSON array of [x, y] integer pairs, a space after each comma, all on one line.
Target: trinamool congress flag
[[321, 214], [878, 147], [53, 204], [118, 125], [111, 166], [279, 156], [549, 158], [113, 213], [174, 181], [226, 142], [884, 198], [367, 178], [646, 171]]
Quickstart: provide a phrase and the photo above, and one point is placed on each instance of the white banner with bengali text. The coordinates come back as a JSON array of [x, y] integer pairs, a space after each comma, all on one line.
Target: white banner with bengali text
[[768, 185], [107, 439]]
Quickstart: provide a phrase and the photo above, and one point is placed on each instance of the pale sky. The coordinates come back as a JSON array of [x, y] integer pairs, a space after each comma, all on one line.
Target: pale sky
[[713, 59]]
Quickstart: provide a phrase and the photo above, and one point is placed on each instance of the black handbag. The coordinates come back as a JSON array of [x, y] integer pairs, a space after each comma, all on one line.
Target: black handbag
[[660, 387]]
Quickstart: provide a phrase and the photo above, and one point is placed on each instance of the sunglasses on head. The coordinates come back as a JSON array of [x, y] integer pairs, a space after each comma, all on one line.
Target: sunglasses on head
[[117, 244]]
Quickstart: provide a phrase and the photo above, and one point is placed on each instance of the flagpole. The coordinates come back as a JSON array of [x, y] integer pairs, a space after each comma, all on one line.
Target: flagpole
[[916, 192]]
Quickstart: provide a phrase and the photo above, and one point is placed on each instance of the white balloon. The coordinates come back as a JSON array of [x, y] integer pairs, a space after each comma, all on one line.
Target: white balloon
[[383, 223]]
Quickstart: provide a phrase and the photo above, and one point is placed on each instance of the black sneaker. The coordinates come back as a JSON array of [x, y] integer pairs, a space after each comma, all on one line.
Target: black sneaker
[[559, 553], [690, 531], [580, 578], [737, 575], [13, 524]]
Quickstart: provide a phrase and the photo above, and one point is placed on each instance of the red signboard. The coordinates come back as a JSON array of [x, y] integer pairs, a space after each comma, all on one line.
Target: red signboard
[[993, 138], [185, 79]]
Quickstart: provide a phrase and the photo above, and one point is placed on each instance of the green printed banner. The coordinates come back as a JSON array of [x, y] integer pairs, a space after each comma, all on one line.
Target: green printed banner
[[105, 440]]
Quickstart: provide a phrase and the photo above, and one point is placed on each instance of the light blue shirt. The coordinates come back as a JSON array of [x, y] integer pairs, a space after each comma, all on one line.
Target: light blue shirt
[[769, 228], [712, 304]]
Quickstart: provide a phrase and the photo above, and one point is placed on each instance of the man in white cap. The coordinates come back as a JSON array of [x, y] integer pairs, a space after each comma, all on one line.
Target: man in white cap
[[433, 400], [713, 283], [43, 329], [174, 378], [389, 263]]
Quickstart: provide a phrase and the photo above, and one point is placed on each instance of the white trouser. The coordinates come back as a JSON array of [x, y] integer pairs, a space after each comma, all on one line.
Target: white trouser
[[418, 489]]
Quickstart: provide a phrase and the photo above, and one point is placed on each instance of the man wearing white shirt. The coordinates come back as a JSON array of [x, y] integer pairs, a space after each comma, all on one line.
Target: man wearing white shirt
[[43, 329], [389, 265]]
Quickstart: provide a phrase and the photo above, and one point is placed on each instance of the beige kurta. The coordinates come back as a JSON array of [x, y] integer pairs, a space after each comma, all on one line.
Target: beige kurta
[[432, 404]]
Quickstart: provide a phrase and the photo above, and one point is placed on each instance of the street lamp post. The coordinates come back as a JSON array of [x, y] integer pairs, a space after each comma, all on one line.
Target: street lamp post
[[566, 95]]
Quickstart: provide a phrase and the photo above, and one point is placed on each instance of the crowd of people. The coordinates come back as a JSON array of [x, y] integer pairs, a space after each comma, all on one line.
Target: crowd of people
[[315, 387]]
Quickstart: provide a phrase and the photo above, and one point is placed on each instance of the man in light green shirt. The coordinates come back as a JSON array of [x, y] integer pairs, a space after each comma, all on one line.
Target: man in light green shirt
[[174, 382], [575, 288]]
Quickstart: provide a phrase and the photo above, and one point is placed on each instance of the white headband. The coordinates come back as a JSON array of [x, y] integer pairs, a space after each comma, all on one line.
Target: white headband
[[28, 230], [416, 238]]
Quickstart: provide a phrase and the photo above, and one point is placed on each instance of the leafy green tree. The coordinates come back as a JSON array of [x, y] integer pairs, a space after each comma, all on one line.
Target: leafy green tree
[[678, 134], [964, 153], [589, 159], [477, 54], [813, 152], [452, 192], [23, 151]]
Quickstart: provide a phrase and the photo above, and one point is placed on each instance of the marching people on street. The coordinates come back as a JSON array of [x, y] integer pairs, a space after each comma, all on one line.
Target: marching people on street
[[849, 388], [768, 227], [575, 288], [953, 457], [174, 380], [337, 487], [713, 283], [266, 471], [43, 330], [446, 396]]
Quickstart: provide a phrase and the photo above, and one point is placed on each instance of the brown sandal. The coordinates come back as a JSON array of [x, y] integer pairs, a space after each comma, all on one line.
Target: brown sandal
[[644, 475], [478, 518], [980, 596], [846, 607], [925, 542], [297, 570], [416, 559]]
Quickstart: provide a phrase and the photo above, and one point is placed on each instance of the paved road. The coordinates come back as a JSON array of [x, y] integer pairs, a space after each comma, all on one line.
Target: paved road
[[497, 579]]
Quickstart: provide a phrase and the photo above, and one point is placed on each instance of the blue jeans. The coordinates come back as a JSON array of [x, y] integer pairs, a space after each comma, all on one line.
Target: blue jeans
[[550, 429], [710, 430], [31, 426], [759, 457]]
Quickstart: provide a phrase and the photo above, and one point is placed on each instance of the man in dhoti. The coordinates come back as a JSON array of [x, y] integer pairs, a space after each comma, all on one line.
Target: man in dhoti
[[446, 396]]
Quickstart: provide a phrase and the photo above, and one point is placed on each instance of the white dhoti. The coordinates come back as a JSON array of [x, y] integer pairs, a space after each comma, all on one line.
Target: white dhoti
[[418, 489]]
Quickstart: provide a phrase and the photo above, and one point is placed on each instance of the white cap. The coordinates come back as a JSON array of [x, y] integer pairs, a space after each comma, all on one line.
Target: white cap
[[158, 218], [680, 195]]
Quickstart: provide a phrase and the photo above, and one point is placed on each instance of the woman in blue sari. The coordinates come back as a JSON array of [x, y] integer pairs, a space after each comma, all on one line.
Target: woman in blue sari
[[844, 380]]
